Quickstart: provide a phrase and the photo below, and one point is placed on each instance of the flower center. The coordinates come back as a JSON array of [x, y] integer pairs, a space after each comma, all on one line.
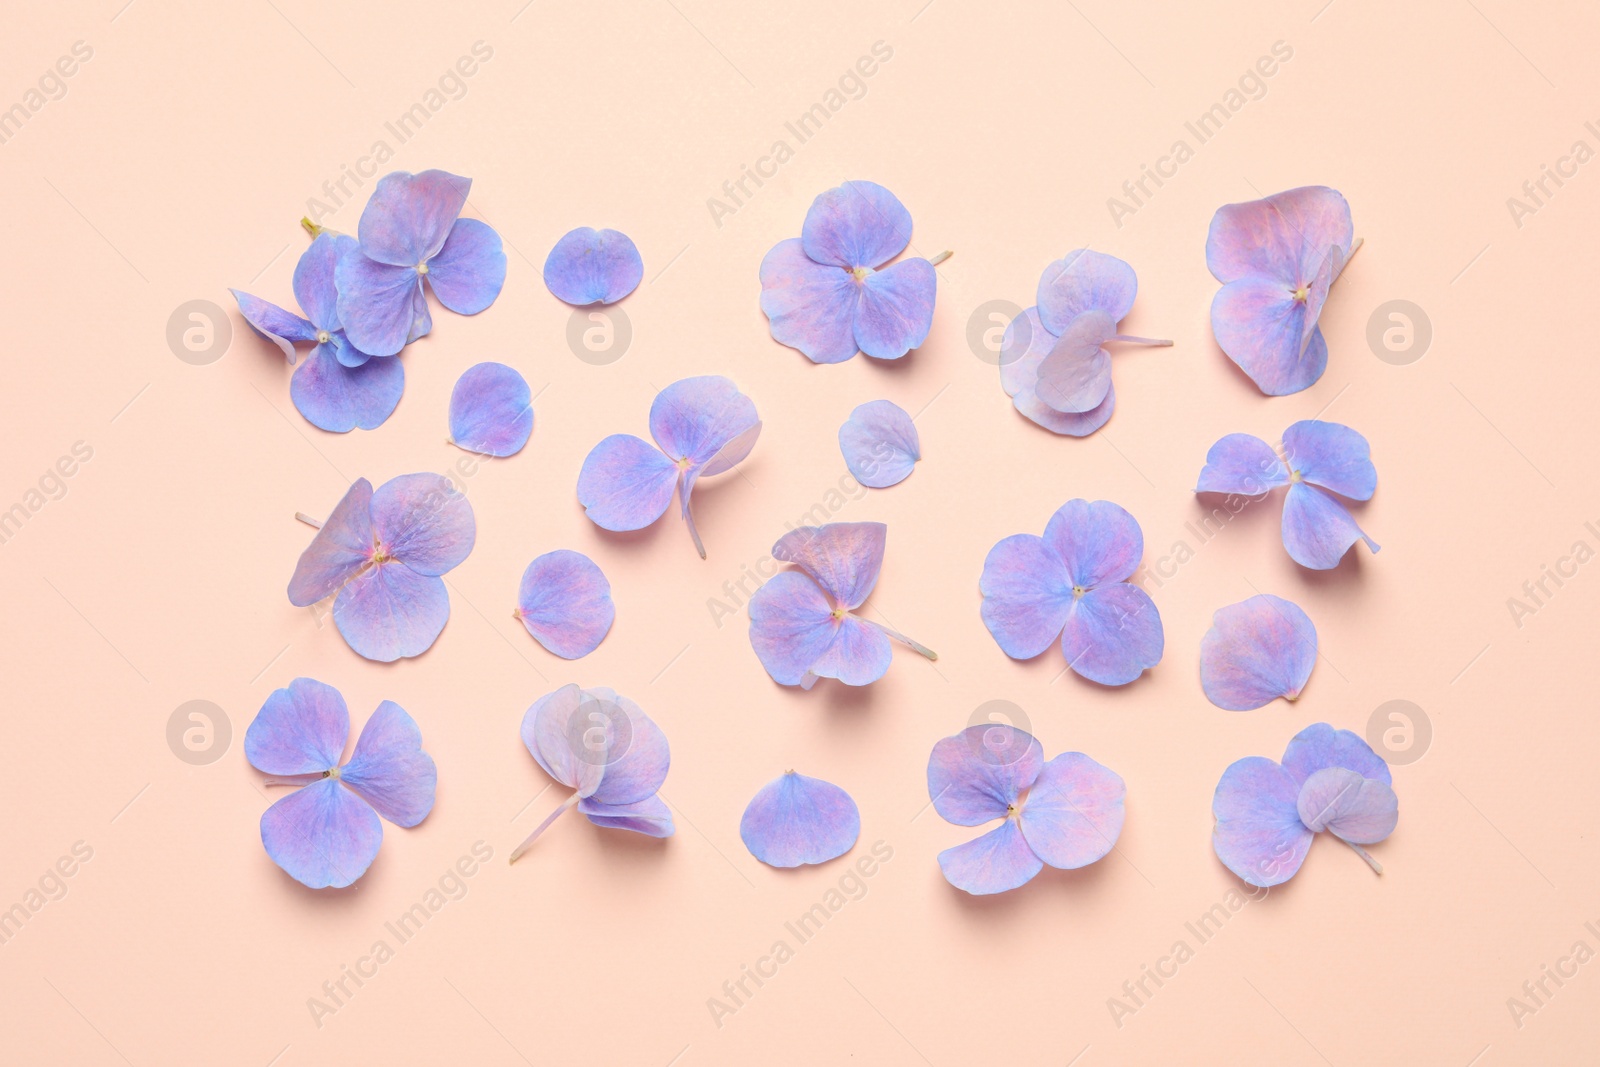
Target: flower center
[[1011, 811], [838, 614], [380, 555], [860, 273], [422, 268], [1078, 591], [1294, 476], [333, 772], [1300, 294], [323, 337]]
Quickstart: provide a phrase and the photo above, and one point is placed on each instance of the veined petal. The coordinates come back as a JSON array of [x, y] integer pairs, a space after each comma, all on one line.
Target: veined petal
[[977, 775], [993, 863], [1352, 808], [1085, 280], [880, 444], [844, 557], [314, 286], [1073, 813], [1243, 465], [589, 266], [1317, 530], [1285, 236], [625, 483], [391, 612], [565, 603], [635, 754], [1098, 542], [797, 819], [491, 410], [568, 744], [791, 626], [858, 655], [857, 224], [1113, 634], [1027, 595], [694, 418], [389, 768], [468, 273], [424, 521], [1076, 375], [1332, 456], [323, 836], [409, 216], [339, 550], [378, 303], [649, 816], [894, 308], [301, 729], [282, 328], [1258, 833], [1320, 745], [339, 398], [1256, 651], [810, 306], [1258, 323]]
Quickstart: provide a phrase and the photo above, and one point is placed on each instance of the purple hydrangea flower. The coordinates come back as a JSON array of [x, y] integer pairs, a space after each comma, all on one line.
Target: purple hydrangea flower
[[802, 622], [796, 819], [327, 834], [339, 387], [589, 266], [1318, 459], [1267, 813], [1066, 813], [565, 603], [828, 293], [1256, 651], [1053, 360], [880, 444], [1072, 584], [491, 410], [383, 553], [411, 229], [1276, 259]]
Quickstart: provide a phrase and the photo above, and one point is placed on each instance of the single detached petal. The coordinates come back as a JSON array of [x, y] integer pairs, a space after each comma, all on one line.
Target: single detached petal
[[314, 285], [567, 744], [1259, 324], [1027, 595], [339, 398], [1257, 650], [649, 816], [1332, 456], [491, 410], [565, 603], [323, 836], [301, 729], [1073, 813], [977, 775], [282, 328], [1317, 530], [390, 769], [378, 303], [810, 306], [791, 626], [1319, 746], [1285, 236], [1022, 348], [589, 266], [1076, 375], [1352, 808], [341, 547], [1098, 542], [424, 521], [694, 418], [880, 444], [1258, 833], [391, 612], [1085, 280], [406, 221], [1242, 465], [470, 270], [633, 752], [1113, 634], [844, 557], [858, 655], [795, 819], [857, 224], [625, 483], [997, 861], [894, 308]]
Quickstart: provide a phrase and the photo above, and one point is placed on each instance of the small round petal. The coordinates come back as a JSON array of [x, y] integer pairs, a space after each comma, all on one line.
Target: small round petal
[[409, 216], [1241, 464], [558, 736], [314, 286], [1076, 375], [1352, 808], [301, 729], [634, 756], [1332, 456], [491, 410], [977, 775], [1067, 424], [880, 444], [997, 861], [810, 306], [1073, 813], [389, 768], [791, 626], [844, 557], [894, 308], [1098, 542], [339, 398], [1317, 530], [1258, 833], [391, 612], [589, 266], [1027, 595], [1113, 634], [282, 328], [1320, 745], [470, 270], [341, 548], [625, 483], [378, 304], [565, 603], [1085, 280], [1285, 236], [424, 521], [1259, 324], [323, 836], [796, 819], [1256, 651], [649, 816], [694, 418], [857, 224], [858, 655]]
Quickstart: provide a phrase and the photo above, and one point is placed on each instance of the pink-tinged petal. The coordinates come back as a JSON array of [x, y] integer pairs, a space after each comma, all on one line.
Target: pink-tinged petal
[[282, 328], [649, 816], [796, 819], [424, 521], [694, 418], [1332, 456], [1258, 323], [491, 410], [341, 547], [1319, 746], [1098, 542], [421, 317], [470, 270], [625, 483], [347, 353], [314, 286], [1076, 375], [731, 454], [589, 266], [1073, 813], [857, 224], [1352, 808], [1256, 651], [1285, 236], [858, 655], [340, 398], [844, 557], [791, 626], [810, 306], [1085, 280], [1068, 424], [1023, 347], [301, 729], [1317, 293], [1258, 833], [409, 216], [994, 863], [1113, 634], [635, 756], [389, 768], [323, 836], [880, 444], [1243, 465], [391, 612], [568, 732], [894, 308], [977, 775], [1317, 530], [565, 603], [1027, 595], [378, 304]]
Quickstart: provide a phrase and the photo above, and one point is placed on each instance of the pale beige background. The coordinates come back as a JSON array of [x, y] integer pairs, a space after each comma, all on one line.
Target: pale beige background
[[177, 164]]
